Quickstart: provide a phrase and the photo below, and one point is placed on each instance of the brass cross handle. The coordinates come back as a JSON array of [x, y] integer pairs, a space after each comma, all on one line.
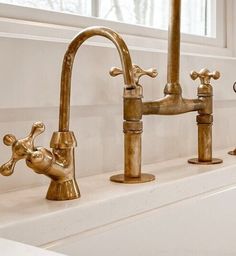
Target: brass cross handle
[[205, 75], [137, 72], [22, 148]]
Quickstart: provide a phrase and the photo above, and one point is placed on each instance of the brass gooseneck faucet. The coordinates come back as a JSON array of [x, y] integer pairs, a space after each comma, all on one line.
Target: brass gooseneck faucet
[[59, 165]]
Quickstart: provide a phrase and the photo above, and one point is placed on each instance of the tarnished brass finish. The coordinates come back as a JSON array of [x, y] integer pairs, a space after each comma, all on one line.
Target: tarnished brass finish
[[205, 118], [57, 165], [173, 86], [173, 103], [132, 93], [137, 72], [133, 129], [213, 161], [233, 152], [132, 154], [68, 61], [121, 178]]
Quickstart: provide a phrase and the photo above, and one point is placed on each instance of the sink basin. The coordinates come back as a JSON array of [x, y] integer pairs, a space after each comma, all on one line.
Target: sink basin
[[188, 210]]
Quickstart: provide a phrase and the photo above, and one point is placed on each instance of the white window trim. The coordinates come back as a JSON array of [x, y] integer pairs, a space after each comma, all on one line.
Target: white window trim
[[36, 24]]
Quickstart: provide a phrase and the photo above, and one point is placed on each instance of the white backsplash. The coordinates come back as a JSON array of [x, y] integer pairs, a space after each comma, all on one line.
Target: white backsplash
[[30, 81]]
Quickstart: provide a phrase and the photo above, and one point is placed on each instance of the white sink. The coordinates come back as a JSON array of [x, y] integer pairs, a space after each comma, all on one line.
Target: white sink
[[12, 248], [188, 210]]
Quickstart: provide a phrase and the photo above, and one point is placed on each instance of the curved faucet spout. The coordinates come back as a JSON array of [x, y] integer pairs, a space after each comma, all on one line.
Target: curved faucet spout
[[68, 65]]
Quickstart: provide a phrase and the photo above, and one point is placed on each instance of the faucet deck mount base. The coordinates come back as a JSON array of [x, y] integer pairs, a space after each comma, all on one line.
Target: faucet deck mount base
[[61, 191], [121, 178], [213, 161], [233, 152]]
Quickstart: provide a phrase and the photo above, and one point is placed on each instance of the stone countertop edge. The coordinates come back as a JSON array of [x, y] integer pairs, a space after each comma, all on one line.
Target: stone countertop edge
[[27, 217]]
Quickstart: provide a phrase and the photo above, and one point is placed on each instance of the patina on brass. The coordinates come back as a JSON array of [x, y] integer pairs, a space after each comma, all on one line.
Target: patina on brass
[[233, 152], [171, 104], [205, 118], [133, 128], [132, 99], [58, 164]]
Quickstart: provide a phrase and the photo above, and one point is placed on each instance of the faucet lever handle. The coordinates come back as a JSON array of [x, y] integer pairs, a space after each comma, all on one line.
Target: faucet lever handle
[[22, 148], [114, 71], [205, 75], [137, 72]]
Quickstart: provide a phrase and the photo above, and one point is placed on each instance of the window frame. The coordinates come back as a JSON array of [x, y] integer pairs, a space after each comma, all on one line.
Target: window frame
[[38, 24]]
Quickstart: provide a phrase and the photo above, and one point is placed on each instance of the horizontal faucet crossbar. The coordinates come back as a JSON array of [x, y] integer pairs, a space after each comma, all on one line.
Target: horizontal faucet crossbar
[[172, 105]]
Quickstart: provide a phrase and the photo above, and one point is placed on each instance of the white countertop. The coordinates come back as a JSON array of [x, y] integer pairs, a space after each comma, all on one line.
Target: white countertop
[[12, 248], [29, 218]]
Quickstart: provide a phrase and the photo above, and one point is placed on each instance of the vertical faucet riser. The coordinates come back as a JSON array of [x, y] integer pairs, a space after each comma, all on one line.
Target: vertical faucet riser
[[133, 128], [205, 118]]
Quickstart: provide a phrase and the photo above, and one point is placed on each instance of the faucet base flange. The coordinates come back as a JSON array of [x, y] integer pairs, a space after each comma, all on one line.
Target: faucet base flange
[[197, 161], [121, 178], [233, 152], [60, 191]]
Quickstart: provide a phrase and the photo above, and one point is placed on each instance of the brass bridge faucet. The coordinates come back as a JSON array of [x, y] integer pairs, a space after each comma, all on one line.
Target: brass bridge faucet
[[171, 104], [59, 165]]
